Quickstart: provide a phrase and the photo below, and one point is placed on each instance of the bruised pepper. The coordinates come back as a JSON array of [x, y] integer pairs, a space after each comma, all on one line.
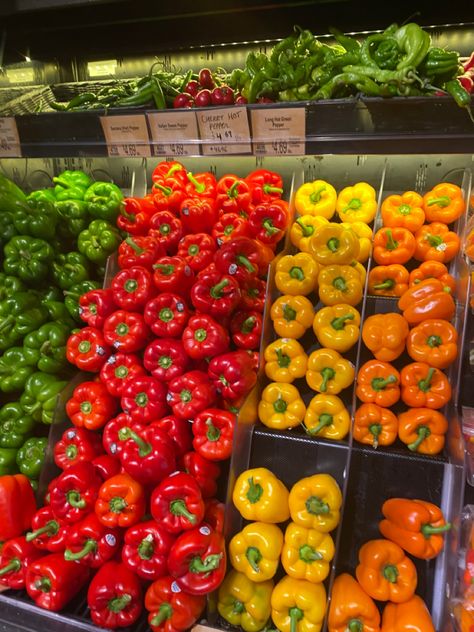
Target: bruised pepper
[[298, 605], [316, 198], [422, 430], [326, 416], [332, 244], [315, 503], [296, 274], [255, 551], [329, 372], [281, 406], [244, 603]]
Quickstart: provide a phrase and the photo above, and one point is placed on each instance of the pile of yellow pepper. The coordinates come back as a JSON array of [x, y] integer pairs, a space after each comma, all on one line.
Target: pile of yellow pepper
[[248, 596]]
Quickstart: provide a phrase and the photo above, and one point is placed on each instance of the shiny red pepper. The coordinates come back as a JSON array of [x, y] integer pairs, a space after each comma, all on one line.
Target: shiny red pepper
[[178, 430], [144, 399], [110, 439], [253, 295], [91, 406], [197, 250], [177, 503], [229, 226], [233, 194], [106, 466], [171, 609], [47, 532], [145, 550], [87, 349], [167, 315], [95, 306], [264, 185], [126, 331], [172, 274], [268, 222], [121, 501], [169, 169], [147, 455], [246, 329], [15, 557], [167, 230], [165, 359], [91, 543], [213, 431], [119, 368], [233, 374], [215, 513], [201, 185], [139, 251], [190, 393], [132, 288], [74, 492], [76, 445], [168, 193], [239, 258], [134, 217], [203, 337], [204, 471], [215, 294], [198, 214]]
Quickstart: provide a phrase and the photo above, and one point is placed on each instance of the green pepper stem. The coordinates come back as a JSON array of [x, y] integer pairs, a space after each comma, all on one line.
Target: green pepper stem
[[238, 607], [425, 385], [146, 549], [391, 243], [270, 229], [134, 246], [404, 209], [244, 261], [355, 625], [268, 188], [340, 284], [166, 314], [375, 430], [308, 554], [296, 614], [213, 433], [71, 451], [316, 506], [89, 547], [248, 325], [327, 374], [43, 584], [423, 433], [199, 186], [390, 573], [386, 285], [289, 313], [279, 405], [74, 499], [305, 229], [117, 604], [253, 556], [216, 290], [442, 201], [339, 323], [165, 190], [434, 240], [165, 268], [315, 196], [178, 508], [117, 504], [434, 341], [333, 244], [13, 566], [354, 205], [255, 491], [144, 448], [209, 563], [296, 273], [233, 191], [200, 334], [427, 530], [283, 359], [379, 383], [165, 611], [324, 420], [50, 528]]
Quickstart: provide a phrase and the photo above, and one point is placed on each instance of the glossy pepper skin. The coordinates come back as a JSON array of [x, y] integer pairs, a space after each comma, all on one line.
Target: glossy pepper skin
[[91, 406], [303, 229], [15, 425], [357, 203], [244, 603], [49, 341], [119, 368], [134, 219], [316, 198], [198, 214], [76, 445], [165, 359], [422, 430], [170, 609], [74, 492], [132, 288], [240, 257], [145, 550], [315, 502], [30, 456], [296, 274], [332, 244], [98, 241], [139, 251], [267, 222], [172, 274], [337, 327], [87, 349], [233, 374], [435, 242], [393, 245], [38, 218], [177, 503], [27, 258], [144, 399], [433, 270], [424, 386], [20, 314], [292, 316], [255, 551], [197, 250], [69, 269], [215, 294], [389, 280], [340, 284], [47, 533], [384, 335], [190, 393], [147, 454], [328, 372], [433, 341], [167, 230], [285, 360], [213, 431], [281, 406], [264, 185], [375, 425], [260, 496], [326, 416], [233, 194], [404, 210], [228, 227], [72, 296], [298, 605], [17, 505], [16, 555], [167, 315], [416, 526], [306, 553], [379, 383], [120, 501], [428, 299], [204, 471], [204, 337], [91, 543], [40, 396], [178, 431], [125, 331], [444, 203], [246, 329], [351, 608], [410, 615]]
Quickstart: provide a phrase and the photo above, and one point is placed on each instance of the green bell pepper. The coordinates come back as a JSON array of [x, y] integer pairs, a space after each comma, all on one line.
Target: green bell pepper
[[10, 285], [8, 461], [72, 296], [99, 241], [12, 197], [15, 425], [58, 313], [49, 342], [104, 200], [70, 269], [27, 258], [38, 219], [71, 185], [43, 194], [75, 216], [30, 457], [51, 293], [39, 396], [7, 227], [20, 314], [16, 366]]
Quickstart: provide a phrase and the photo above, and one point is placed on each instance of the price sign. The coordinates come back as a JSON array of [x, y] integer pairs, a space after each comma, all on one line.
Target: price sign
[[224, 131], [9, 139], [279, 131], [174, 133], [126, 136]]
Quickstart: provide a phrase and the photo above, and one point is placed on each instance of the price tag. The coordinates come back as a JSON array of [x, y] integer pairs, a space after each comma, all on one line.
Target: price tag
[[126, 136], [9, 139], [174, 133], [224, 131], [279, 131]]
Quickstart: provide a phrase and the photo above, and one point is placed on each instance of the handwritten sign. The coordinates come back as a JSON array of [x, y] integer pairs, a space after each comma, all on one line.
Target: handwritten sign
[[174, 133], [279, 131], [126, 136], [224, 131], [9, 139]]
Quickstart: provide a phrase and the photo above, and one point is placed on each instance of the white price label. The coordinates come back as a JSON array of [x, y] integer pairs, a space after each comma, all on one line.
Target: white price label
[[9, 139], [279, 131], [126, 136], [174, 133], [224, 131]]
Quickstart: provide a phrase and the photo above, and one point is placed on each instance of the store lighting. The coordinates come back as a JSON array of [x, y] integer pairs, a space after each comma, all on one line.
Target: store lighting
[[20, 75], [103, 68]]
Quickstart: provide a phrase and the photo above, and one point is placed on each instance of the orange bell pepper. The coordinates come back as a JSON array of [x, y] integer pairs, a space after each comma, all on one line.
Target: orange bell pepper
[[444, 203], [424, 386], [415, 525], [393, 245], [385, 572], [422, 430], [433, 341], [389, 280], [435, 242], [385, 335], [351, 608], [469, 245], [403, 210], [433, 270], [374, 425], [378, 383], [465, 616], [410, 616], [429, 299]]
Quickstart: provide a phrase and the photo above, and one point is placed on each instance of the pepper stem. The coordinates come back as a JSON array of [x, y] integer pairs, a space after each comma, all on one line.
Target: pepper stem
[[117, 504], [199, 186], [71, 451], [425, 385], [178, 508], [248, 325], [353, 205], [324, 420], [355, 625], [117, 604], [50, 528], [404, 209], [43, 584], [244, 261], [305, 229], [213, 433], [165, 190], [165, 612], [316, 506], [270, 229], [423, 433], [327, 374], [74, 499], [209, 563], [308, 554], [296, 273], [255, 491], [253, 556], [233, 191], [279, 405], [442, 201], [165, 268], [340, 322], [434, 240], [89, 547], [289, 313], [340, 284], [238, 607], [166, 314], [315, 196], [200, 334], [268, 188], [134, 246], [216, 290], [13, 566], [144, 448], [434, 341], [333, 244], [379, 383], [283, 359], [386, 285], [390, 573], [427, 529], [296, 614], [375, 430], [146, 549]]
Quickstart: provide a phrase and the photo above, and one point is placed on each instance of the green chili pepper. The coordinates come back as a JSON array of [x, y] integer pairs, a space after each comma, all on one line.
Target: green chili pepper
[[81, 99], [459, 93], [40, 395], [72, 296], [8, 461], [16, 366], [28, 258], [30, 456], [15, 425], [49, 343], [99, 241], [414, 42], [361, 82], [104, 200]]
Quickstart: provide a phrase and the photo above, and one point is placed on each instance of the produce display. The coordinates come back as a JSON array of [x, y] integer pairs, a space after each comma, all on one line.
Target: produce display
[[462, 599]]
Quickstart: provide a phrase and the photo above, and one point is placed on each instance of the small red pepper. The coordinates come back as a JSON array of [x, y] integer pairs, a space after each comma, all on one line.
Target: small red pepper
[[171, 609], [190, 393], [230, 226], [215, 513], [169, 169], [167, 230], [177, 503], [144, 399], [16, 555], [197, 250], [134, 218], [95, 306], [91, 406], [215, 294], [178, 430], [239, 258], [74, 492], [233, 194], [132, 288], [264, 185], [168, 193], [121, 501], [48, 533], [213, 431], [147, 455], [233, 374], [167, 315], [165, 359], [201, 185], [126, 331], [110, 439], [76, 445], [172, 274], [139, 251], [204, 337], [268, 222], [87, 349], [106, 466], [246, 329], [119, 368], [145, 550], [253, 295], [204, 471], [91, 543]]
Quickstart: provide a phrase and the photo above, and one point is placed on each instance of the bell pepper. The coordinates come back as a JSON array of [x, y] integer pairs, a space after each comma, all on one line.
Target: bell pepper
[[170, 609], [228, 227], [364, 235], [119, 368], [205, 472], [296, 274], [429, 299], [126, 331], [198, 214], [357, 203], [178, 431], [172, 274], [285, 360], [91, 543], [51, 582], [120, 501], [424, 386], [8, 461], [327, 417], [16, 366], [267, 222], [233, 194], [177, 503], [385, 572], [379, 383], [246, 329], [40, 396], [337, 327], [384, 335], [298, 605], [17, 504], [74, 492], [72, 296], [69, 269], [190, 393], [144, 399], [264, 185], [244, 603], [444, 203], [139, 251], [167, 230], [328, 372], [37, 218], [303, 229], [106, 466], [15, 557], [91, 406], [213, 431], [435, 242], [132, 288], [417, 526], [411, 615], [48, 533], [233, 374], [253, 294], [201, 184], [433, 341], [391, 280], [58, 312], [204, 337], [73, 217], [292, 316], [76, 445], [197, 560], [404, 211], [49, 342], [10, 285], [240, 258], [281, 406], [71, 185], [110, 439], [104, 200], [19, 315], [315, 503], [433, 270], [114, 596], [255, 551], [165, 359], [393, 245], [30, 456], [15, 425], [340, 284], [98, 241], [307, 553], [7, 227], [215, 294], [422, 430], [168, 194], [215, 514], [333, 244], [197, 250], [260, 496], [351, 608], [316, 198], [374, 425], [145, 550], [87, 349]]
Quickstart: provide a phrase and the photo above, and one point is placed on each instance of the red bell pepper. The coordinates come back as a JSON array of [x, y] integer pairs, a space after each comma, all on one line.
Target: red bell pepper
[[95, 306], [91, 543], [119, 368], [246, 329], [229, 226], [73, 493], [171, 609], [139, 251], [204, 471], [110, 439], [168, 193], [114, 596], [197, 560], [198, 214], [147, 455], [76, 445], [17, 505], [215, 514], [201, 185], [215, 294], [48, 533], [197, 250], [172, 274], [144, 399], [145, 550], [203, 337], [52, 582], [239, 258], [165, 359], [178, 430], [134, 217], [167, 315], [132, 288], [121, 501], [253, 295], [126, 331], [91, 406], [15, 557], [167, 230], [169, 169], [233, 194], [87, 349], [106, 466], [264, 185], [213, 431], [233, 374], [190, 393], [268, 222], [177, 503]]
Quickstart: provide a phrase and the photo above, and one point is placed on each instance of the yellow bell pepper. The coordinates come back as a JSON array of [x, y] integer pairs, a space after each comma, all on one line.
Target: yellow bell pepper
[[361, 270], [281, 406], [285, 360], [255, 551], [298, 605], [244, 603], [357, 203], [260, 496], [315, 502], [340, 284], [306, 553], [316, 198], [296, 274], [292, 316], [303, 228], [364, 234], [326, 416], [329, 372], [333, 244], [337, 327]]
